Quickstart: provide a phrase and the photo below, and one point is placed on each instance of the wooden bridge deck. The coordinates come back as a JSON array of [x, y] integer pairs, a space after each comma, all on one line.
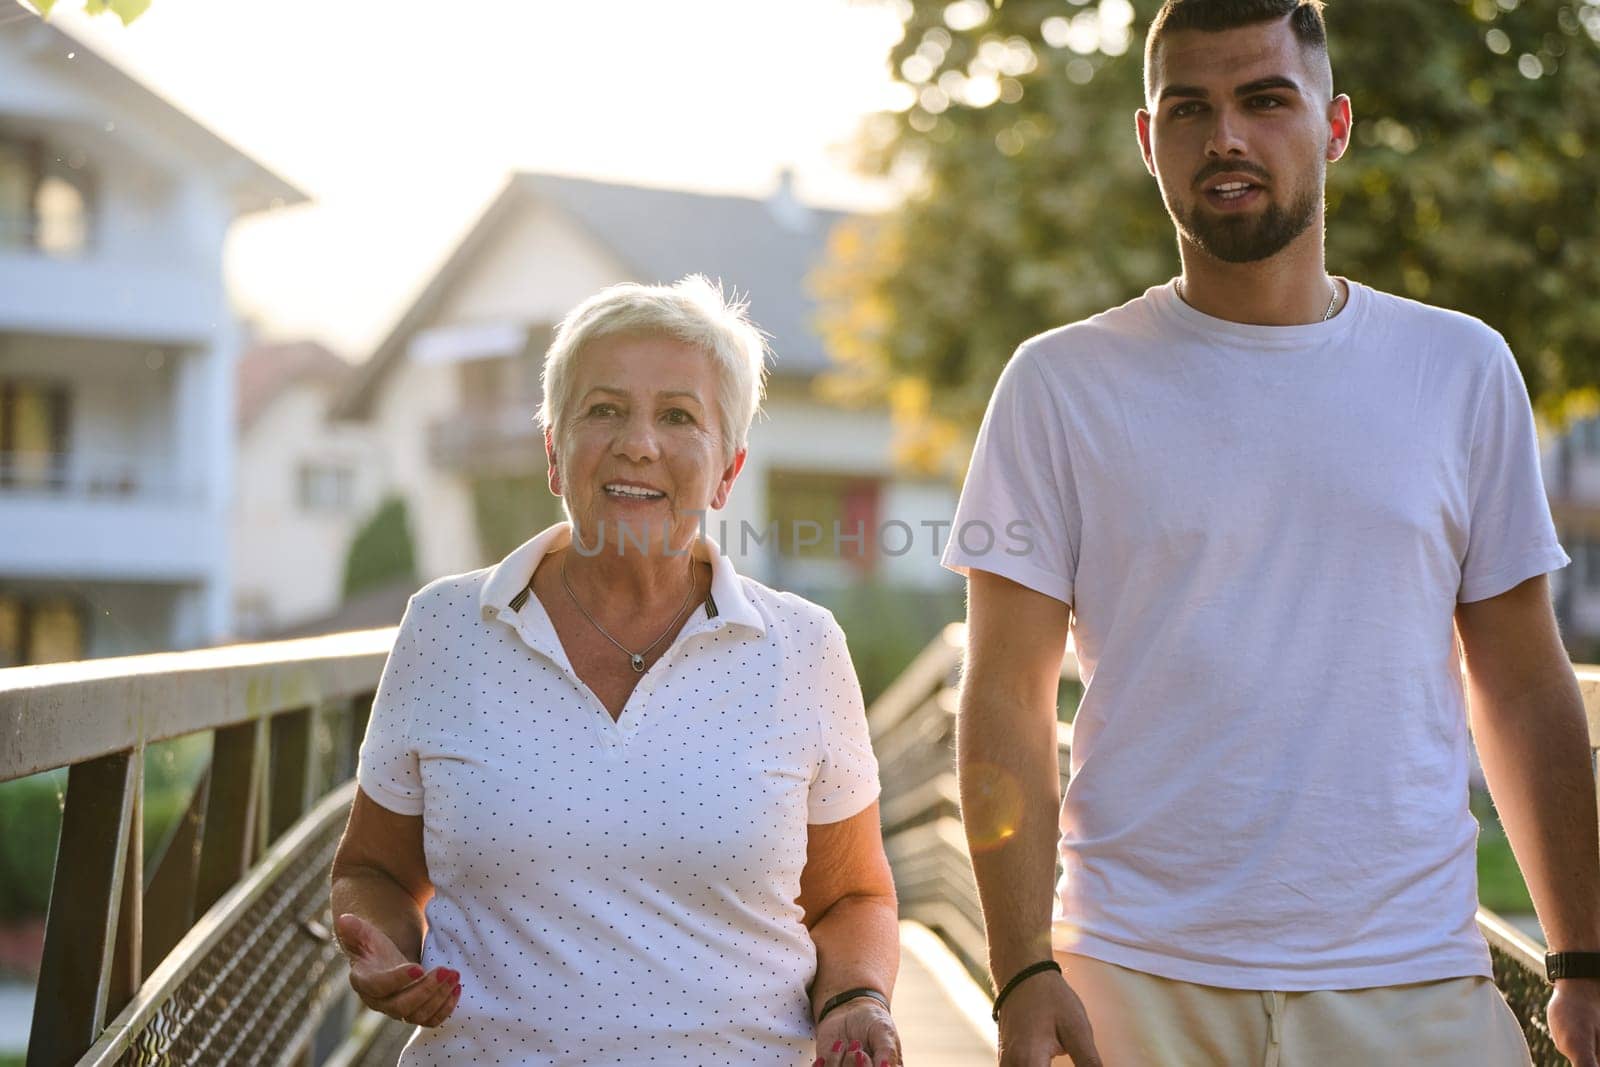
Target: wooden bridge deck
[[943, 1015]]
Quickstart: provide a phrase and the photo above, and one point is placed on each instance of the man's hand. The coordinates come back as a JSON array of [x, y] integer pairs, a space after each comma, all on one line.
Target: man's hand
[[1574, 1018], [1041, 1019], [389, 983]]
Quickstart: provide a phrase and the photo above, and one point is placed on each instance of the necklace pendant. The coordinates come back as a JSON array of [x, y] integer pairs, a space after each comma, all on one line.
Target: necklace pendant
[[638, 663]]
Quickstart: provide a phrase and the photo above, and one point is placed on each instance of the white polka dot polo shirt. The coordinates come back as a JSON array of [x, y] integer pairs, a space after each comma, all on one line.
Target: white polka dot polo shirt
[[617, 892]]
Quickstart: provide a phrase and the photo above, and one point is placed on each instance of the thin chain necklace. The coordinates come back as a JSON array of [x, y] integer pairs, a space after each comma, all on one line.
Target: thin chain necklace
[[1326, 315], [635, 659]]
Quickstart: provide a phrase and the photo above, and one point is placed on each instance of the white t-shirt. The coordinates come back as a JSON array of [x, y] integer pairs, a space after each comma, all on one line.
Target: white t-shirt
[[1263, 533], [618, 892]]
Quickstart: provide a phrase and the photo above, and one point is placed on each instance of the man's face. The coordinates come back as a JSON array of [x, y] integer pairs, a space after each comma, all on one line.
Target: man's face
[[1239, 134]]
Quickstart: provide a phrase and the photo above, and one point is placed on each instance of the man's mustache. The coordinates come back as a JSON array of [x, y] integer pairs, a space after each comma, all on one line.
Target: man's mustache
[[1211, 170]]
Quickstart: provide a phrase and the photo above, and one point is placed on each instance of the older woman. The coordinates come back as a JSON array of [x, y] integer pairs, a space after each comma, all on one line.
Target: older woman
[[617, 803]]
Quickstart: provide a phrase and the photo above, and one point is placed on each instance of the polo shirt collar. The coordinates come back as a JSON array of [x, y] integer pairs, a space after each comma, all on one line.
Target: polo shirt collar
[[508, 578]]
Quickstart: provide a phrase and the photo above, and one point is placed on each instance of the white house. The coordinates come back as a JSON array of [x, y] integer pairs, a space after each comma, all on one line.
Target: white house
[[117, 350], [304, 483], [453, 389]]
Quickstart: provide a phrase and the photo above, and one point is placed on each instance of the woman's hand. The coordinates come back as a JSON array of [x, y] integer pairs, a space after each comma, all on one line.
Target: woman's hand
[[387, 982], [858, 1033]]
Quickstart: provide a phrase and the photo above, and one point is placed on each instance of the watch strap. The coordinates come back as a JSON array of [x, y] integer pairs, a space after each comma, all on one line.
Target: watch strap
[[1571, 965]]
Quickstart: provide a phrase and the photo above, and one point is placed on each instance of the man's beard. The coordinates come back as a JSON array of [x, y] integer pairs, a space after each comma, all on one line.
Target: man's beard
[[1243, 238]]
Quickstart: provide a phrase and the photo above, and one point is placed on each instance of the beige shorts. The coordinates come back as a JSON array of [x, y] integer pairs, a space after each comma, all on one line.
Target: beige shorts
[[1141, 1020]]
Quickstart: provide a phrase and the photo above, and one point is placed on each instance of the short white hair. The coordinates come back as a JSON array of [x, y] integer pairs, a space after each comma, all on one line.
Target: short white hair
[[694, 311]]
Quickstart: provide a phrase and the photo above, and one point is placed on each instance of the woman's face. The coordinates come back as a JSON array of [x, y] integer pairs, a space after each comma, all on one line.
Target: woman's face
[[642, 449]]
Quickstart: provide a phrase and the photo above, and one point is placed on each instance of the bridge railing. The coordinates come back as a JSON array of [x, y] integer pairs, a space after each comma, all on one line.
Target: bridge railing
[[913, 728], [220, 951]]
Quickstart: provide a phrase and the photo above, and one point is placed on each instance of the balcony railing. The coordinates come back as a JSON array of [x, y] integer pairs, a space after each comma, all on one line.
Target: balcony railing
[[502, 440], [91, 476]]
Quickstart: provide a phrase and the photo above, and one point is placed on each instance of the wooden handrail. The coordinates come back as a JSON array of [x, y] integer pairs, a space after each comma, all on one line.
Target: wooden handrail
[[277, 712], [62, 714]]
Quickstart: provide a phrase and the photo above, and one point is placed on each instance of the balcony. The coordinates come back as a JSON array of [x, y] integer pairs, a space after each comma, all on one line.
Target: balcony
[[102, 516], [134, 301], [503, 440]]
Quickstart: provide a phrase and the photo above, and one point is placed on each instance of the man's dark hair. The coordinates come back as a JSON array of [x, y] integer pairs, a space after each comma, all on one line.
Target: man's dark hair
[[1212, 16]]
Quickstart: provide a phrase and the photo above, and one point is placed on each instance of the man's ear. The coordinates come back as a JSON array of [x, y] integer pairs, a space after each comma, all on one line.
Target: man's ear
[[554, 473], [1340, 124], [1141, 122]]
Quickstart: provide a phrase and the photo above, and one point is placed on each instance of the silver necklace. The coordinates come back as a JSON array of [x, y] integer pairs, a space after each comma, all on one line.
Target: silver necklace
[[635, 659], [1326, 315]]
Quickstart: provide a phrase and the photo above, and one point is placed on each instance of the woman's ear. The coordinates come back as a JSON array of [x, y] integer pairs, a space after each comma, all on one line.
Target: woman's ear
[[725, 482], [554, 473]]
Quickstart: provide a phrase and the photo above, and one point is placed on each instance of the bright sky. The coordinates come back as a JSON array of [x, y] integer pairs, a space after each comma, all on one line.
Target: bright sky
[[402, 118]]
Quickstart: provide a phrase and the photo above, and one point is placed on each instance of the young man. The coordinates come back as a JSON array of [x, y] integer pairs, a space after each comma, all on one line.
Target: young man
[[1267, 503]]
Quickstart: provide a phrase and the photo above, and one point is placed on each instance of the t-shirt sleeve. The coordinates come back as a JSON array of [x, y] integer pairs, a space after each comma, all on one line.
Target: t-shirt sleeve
[[846, 781], [387, 769], [1019, 515], [1510, 535]]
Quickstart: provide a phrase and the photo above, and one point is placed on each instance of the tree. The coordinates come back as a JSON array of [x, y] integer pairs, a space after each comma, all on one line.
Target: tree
[[381, 552], [126, 10], [1473, 184]]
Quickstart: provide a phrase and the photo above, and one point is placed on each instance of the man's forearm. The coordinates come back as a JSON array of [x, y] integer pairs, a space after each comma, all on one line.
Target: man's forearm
[[1534, 746], [1010, 792]]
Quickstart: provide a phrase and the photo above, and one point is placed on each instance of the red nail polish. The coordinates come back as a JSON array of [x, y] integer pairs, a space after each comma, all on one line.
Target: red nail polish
[[414, 972], [854, 1045], [861, 1060], [837, 1045], [818, 1063], [457, 992]]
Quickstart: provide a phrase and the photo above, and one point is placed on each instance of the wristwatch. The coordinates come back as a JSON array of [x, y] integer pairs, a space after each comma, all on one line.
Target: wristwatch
[[1571, 965]]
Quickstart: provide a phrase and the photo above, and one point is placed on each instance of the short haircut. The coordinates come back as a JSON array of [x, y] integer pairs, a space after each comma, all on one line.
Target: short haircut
[[694, 311], [1213, 16]]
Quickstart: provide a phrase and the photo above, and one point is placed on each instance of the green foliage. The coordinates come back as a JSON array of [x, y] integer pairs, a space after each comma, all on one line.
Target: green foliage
[[1500, 885], [126, 10], [887, 626], [381, 552], [509, 510], [30, 819], [1471, 184], [30, 823]]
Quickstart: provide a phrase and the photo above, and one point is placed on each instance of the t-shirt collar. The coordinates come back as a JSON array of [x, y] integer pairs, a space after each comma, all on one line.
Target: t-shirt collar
[[507, 579], [1246, 336]]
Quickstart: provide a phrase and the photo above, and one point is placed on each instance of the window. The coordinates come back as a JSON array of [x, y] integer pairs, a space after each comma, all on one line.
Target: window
[[33, 434], [44, 198], [39, 629], [326, 488], [805, 507]]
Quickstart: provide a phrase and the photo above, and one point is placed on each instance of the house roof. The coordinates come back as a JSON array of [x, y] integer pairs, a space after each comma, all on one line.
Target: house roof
[[266, 370], [253, 186], [763, 248]]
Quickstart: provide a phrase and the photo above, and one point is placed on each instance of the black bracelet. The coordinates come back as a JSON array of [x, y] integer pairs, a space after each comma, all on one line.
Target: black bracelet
[[851, 994], [1020, 977]]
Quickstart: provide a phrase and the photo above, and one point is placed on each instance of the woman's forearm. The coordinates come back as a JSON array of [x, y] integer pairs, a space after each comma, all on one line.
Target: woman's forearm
[[858, 946], [381, 901]]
